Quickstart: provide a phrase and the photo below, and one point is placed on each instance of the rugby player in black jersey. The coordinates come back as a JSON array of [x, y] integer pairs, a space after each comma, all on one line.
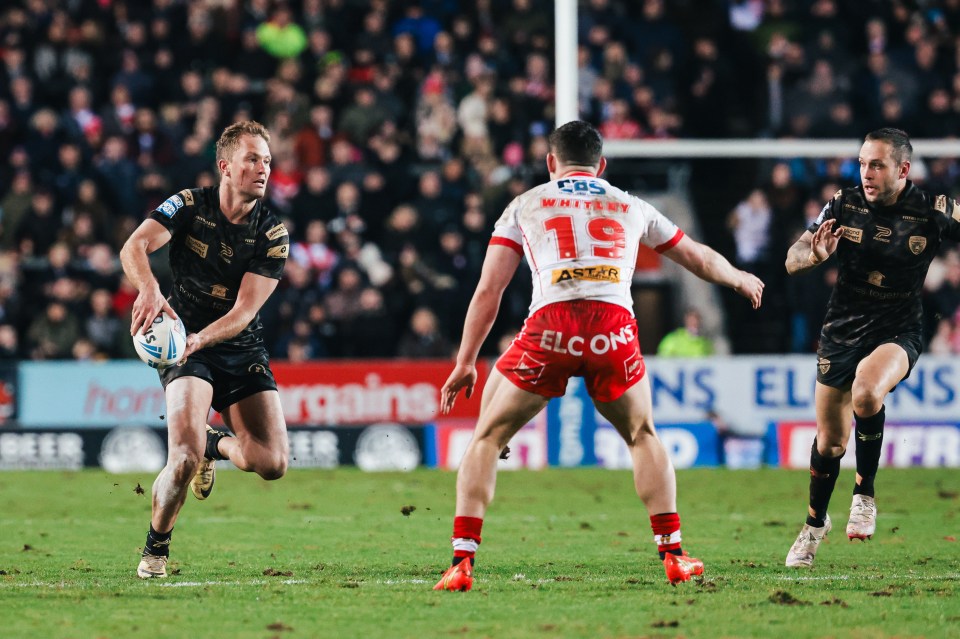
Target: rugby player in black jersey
[[885, 233], [227, 253]]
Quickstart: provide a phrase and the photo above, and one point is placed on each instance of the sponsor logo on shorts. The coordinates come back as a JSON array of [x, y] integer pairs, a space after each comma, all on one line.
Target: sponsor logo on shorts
[[916, 244], [276, 232], [823, 365], [599, 344], [197, 246], [633, 365], [529, 369], [278, 251], [598, 273], [257, 368], [852, 234], [218, 290]]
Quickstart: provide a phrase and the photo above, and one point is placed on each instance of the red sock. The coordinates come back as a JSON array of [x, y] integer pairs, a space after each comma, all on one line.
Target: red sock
[[666, 533], [466, 538]]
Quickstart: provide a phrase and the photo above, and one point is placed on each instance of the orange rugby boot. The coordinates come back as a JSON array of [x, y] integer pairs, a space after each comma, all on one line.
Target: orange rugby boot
[[460, 577], [681, 567]]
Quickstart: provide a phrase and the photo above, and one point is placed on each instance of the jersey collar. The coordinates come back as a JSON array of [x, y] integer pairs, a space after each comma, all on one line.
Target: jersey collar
[[580, 174]]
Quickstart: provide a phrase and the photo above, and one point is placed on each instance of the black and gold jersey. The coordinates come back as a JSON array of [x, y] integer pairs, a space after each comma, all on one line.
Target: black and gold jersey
[[883, 259], [209, 257]]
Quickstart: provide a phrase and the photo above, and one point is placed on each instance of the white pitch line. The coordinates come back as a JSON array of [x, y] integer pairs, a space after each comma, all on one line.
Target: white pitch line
[[513, 579], [255, 582], [158, 584], [948, 577]]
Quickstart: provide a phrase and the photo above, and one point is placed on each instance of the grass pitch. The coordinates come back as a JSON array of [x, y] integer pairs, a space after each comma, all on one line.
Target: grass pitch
[[566, 553]]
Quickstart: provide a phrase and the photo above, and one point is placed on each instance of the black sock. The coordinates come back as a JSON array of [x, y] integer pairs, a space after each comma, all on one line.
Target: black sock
[[213, 438], [675, 551], [457, 560], [823, 478], [158, 544], [869, 443]]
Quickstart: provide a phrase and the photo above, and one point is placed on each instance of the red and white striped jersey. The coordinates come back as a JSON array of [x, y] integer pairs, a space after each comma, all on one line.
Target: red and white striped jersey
[[580, 235]]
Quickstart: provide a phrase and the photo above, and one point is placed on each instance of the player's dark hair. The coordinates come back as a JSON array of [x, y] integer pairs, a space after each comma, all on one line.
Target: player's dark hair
[[897, 139], [576, 143], [230, 138]]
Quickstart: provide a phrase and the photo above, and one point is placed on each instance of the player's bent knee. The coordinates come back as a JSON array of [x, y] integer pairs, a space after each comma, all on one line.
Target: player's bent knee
[[867, 399], [831, 449], [274, 468]]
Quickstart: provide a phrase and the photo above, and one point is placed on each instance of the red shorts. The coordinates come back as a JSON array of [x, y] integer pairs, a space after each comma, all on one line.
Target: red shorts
[[593, 340]]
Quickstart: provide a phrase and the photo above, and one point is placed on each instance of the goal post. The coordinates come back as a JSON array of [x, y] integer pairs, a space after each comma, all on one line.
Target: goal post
[[763, 148]]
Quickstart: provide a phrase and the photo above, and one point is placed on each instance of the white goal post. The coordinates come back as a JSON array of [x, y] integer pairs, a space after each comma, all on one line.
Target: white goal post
[[565, 67], [763, 148]]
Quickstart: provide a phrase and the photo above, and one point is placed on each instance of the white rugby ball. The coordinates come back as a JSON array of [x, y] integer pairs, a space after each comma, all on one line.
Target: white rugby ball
[[163, 343]]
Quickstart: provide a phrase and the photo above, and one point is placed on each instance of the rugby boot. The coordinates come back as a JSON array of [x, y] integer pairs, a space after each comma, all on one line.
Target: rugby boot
[[863, 518], [681, 567], [804, 549], [202, 483], [152, 566], [457, 578]]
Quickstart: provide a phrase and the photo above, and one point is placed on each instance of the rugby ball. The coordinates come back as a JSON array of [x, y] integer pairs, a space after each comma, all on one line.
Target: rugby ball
[[163, 343]]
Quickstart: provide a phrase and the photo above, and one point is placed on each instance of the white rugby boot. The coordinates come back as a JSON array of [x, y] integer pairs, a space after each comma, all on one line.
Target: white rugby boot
[[152, 566], [804, 549], [863, 518]]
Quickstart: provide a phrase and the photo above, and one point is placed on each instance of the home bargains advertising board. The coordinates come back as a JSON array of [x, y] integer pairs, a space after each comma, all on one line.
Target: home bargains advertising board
[[363, 392], [83, 394], [746, 392]]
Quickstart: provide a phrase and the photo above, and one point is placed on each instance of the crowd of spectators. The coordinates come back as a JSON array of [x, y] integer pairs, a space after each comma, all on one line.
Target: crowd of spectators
[[400, 130]]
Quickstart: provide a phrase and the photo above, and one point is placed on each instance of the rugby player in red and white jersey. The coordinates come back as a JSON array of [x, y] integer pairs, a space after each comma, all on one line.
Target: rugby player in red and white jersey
[[580, 235]]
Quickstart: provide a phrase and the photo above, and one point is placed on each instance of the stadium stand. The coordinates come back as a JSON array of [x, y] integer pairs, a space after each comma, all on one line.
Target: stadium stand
[[400, 131]]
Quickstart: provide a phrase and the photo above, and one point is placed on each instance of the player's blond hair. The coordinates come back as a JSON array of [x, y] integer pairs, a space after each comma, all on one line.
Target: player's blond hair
[[230, 138]]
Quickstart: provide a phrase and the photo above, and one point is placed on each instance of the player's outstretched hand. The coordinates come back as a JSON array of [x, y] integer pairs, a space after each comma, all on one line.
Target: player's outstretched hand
[[751, 287], [149, 303], [462, 376], [825, 240]]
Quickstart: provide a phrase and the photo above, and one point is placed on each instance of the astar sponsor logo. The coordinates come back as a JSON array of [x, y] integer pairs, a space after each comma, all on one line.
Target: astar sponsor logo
[[598, 273]]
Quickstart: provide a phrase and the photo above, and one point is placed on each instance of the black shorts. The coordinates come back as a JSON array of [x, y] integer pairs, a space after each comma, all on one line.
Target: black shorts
[[235, 374], [837, 364]]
